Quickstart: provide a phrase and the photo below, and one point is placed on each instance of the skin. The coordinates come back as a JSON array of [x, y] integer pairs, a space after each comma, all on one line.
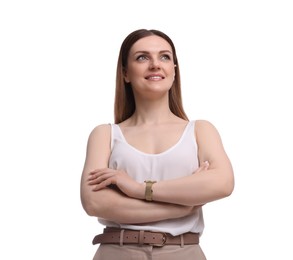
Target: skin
[[150, 71]]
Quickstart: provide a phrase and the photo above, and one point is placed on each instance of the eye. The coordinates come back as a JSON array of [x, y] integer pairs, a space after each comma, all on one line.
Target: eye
[[165, 57], [141, 58]]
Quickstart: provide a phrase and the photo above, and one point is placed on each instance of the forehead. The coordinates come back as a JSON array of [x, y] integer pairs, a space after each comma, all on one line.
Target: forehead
[[151, 44]]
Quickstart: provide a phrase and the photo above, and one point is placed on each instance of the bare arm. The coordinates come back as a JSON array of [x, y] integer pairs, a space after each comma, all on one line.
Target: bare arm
[[208, 183], [204, 186], [111, 204], [119, 208]]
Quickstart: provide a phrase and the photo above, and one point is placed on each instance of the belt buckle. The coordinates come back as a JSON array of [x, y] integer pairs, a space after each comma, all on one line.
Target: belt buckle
[[164, 240]]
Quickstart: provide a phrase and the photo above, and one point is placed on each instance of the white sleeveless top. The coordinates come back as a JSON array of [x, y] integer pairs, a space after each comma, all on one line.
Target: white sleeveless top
[[178, 161]]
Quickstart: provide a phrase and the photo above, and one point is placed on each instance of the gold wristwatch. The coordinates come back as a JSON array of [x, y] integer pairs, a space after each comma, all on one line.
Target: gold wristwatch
[[148, 190]]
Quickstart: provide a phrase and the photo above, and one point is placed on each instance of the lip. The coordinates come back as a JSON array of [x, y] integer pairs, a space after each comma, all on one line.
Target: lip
[[155, 77]]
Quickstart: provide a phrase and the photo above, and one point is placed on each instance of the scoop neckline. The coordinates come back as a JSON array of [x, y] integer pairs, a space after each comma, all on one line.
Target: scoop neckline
[[155, 154]]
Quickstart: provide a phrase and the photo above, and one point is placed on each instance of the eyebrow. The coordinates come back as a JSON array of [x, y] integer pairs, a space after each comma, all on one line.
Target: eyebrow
[[147, 52]]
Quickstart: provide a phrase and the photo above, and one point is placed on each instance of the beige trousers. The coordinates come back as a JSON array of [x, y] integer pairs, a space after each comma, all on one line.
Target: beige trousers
[[146, 252]]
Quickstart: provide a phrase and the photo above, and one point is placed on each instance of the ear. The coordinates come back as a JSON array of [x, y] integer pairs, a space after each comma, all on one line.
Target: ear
[[174, 71], [125, 76]]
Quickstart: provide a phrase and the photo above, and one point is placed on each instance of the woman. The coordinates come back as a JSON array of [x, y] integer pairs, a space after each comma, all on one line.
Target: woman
[[147, 176]]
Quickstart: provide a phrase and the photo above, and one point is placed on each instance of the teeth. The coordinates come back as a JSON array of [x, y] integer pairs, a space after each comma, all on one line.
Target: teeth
[[155, 77]]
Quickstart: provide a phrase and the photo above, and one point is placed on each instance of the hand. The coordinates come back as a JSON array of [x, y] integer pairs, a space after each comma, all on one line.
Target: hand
[[101, 178], [202, 167]]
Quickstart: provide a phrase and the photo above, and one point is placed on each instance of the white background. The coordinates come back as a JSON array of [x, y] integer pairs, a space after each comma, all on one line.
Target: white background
[[57, 77]]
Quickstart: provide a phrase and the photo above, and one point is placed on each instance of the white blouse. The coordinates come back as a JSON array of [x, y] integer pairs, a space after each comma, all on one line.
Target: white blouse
[[178, 161]]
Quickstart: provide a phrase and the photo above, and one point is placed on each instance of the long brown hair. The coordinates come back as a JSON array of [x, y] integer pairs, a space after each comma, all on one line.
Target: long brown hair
[[124, 105]]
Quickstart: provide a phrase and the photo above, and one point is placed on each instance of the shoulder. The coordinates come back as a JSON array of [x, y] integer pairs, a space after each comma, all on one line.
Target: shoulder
[[103, 128], [100, 132], [201, 124], [98, 148], [205, 129]]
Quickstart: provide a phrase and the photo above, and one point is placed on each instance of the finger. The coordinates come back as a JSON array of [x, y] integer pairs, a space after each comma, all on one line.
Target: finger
[[206, 165], [93, 182], [95, 171], [91, 177], [199, 169], [102, 185], [102, 177]]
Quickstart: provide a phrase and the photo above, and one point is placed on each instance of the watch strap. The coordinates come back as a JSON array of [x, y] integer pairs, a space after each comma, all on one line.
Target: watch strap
[[149, 190]]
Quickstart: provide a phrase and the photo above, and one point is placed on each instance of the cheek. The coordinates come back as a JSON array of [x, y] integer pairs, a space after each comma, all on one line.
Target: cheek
[[173, 73], [132, 72], [128, 75]]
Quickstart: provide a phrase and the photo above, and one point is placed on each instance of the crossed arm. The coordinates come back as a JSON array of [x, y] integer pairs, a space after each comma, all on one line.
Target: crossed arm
[[210, 182]]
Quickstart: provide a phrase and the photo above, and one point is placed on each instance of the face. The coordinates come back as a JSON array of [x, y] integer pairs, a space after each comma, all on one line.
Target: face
[[150, 66]]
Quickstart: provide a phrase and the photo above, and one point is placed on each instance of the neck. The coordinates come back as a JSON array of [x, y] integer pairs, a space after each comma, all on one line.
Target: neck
[[152, 112]]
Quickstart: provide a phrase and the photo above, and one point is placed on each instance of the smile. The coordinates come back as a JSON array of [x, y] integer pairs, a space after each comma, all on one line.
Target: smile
[[154, 77]]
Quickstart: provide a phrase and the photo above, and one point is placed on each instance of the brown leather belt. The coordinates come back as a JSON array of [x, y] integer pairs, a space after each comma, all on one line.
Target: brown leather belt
[[141, 237]]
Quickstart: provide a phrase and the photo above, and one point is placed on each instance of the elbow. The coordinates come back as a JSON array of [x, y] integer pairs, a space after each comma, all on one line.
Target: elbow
[[227, 183], [89, 208], [227, 188], [91, 211], [99, 204], [89, 203]]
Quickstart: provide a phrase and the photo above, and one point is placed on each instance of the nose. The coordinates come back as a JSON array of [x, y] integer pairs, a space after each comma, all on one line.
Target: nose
[[154, 64]]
